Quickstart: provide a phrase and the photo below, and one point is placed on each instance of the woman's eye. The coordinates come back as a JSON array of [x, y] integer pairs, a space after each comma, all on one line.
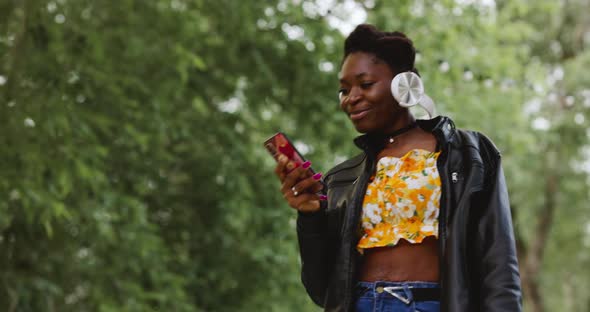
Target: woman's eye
[[366, 85], [342, 92]]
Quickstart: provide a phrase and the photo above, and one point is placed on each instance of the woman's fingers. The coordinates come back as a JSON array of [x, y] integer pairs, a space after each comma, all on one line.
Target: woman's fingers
[[295, 176], [280, 169], [285, 166], [305, 202], [310, 184], [304, 196], [299, 185], [317, 187]]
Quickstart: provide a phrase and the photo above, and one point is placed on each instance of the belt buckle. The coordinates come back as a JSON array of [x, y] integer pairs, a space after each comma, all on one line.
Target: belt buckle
[[390, 290]]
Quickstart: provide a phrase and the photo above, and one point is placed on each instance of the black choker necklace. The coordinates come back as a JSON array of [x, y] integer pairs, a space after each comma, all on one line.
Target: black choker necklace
[[401, 131]]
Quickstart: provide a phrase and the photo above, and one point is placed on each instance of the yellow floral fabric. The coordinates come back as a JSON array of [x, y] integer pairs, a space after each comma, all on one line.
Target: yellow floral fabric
[[402, 200]]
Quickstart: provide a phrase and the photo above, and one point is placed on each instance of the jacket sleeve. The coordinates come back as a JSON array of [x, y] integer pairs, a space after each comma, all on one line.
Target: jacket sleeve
[[316, 249], [497, 262]]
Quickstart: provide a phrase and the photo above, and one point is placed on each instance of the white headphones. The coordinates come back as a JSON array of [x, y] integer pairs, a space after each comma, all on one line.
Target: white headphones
[[408, 90]]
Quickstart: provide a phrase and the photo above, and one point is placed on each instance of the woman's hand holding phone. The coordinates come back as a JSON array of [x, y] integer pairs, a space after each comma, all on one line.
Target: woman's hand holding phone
[[299, 185]]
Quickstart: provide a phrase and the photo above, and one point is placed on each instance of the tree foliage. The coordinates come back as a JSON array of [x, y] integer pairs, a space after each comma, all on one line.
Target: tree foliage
[[133, 176]]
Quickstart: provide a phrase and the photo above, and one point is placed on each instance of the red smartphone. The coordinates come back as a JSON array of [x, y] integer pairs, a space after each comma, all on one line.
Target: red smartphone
[[280, 144]]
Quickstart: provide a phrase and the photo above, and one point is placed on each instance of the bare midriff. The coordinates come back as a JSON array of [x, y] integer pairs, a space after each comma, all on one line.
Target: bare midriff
[[403, 262]]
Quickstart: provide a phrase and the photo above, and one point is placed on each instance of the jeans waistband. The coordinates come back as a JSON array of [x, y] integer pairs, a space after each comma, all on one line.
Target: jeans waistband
[[404, 291]]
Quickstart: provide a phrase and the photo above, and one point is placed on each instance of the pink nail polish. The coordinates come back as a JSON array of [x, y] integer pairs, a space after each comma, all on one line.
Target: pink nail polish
[[306, 164], [317, 176], [323, 197]]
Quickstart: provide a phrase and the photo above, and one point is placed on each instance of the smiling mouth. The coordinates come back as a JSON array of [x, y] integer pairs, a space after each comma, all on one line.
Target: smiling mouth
[[359, 115]]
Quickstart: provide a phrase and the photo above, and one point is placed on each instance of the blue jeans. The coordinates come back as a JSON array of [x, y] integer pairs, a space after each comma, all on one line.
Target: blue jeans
[[393, 297]]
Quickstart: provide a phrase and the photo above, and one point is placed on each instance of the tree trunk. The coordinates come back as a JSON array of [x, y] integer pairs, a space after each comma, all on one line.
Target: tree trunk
[[532, 260]]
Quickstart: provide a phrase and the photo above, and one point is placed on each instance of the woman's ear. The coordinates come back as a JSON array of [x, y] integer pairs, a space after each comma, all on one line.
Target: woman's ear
[[408, 90]]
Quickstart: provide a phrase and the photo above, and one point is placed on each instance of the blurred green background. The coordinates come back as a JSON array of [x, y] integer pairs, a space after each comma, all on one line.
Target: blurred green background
[[132, 172]]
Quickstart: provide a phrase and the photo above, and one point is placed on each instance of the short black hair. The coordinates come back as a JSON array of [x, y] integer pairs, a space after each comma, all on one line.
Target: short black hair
[[393, 48]]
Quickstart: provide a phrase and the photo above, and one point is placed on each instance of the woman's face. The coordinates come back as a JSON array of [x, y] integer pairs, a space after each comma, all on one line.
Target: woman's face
[[365, 94]]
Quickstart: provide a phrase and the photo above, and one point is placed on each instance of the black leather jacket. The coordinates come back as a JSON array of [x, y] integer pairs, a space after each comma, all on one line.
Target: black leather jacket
[[478, 264]]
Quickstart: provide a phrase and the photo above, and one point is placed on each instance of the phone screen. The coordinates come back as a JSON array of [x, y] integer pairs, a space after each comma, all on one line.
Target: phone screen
[[280, 144]]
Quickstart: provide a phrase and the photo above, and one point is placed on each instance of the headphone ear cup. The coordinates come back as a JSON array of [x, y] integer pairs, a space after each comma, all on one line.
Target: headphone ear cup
[[407, 89]]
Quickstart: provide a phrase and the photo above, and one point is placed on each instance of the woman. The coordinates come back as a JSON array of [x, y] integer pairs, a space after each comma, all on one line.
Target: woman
[[420, 220]]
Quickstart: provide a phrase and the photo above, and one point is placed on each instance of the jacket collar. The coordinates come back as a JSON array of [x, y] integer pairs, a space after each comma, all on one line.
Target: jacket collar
[[442, 127]]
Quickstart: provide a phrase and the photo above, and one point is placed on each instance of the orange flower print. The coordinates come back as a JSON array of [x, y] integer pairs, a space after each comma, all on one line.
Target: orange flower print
[[402, 201]]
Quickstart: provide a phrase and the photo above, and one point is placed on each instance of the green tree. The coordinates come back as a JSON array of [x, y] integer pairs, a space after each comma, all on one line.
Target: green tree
[[132, 172]]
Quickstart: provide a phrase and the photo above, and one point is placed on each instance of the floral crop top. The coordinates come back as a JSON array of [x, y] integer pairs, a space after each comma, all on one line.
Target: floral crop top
[[402, 200]]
